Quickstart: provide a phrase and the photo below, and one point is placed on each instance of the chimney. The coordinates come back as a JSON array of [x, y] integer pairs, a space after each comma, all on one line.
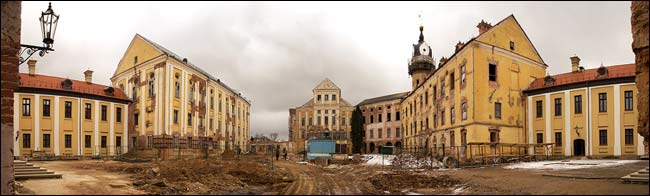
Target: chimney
[[32, 67], [185, 60], [483, 27], [575, 63], [459, 45], [89, 76]]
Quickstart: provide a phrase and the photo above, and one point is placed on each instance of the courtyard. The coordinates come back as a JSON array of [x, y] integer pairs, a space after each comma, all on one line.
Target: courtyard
[[250, 174]]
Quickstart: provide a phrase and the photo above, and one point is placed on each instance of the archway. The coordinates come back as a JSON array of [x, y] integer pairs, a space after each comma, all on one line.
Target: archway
[[389, 144], [579, 147], [398, 144], [372, 148]]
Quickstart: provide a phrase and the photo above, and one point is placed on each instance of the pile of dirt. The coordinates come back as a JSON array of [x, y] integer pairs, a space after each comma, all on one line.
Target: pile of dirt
[[397, 182]]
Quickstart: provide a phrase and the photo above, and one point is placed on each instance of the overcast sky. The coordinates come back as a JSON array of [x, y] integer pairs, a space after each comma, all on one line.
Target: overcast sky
[[276, 52]]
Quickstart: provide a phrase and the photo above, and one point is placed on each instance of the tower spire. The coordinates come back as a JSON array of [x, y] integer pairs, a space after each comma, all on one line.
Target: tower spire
[[421, 28]]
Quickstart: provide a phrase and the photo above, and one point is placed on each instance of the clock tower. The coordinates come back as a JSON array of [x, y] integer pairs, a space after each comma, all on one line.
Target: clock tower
[[421, 64]]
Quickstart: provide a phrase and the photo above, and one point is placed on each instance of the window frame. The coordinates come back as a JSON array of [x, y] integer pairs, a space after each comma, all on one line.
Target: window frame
[[629, 136], [577, 104], [558, 106], [497, 110], [68, 109], [46, 107], [558, 141], [492, 68], [602, 138], [27, 106], [629, 100], [602, 102]]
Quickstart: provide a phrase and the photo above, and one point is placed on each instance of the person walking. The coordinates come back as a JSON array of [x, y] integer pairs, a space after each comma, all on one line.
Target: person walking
[[284, 153]]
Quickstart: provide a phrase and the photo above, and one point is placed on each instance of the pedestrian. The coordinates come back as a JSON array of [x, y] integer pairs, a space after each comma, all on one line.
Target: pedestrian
[[277, 153], [284, 153]]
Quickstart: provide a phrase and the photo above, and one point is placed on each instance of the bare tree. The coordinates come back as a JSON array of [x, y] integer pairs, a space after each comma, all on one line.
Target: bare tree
[[273, 136]]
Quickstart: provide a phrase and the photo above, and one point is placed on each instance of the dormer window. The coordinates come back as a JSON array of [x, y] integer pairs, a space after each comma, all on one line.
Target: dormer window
[[602, 72], [549, 80], [66, 84], [109, 91]]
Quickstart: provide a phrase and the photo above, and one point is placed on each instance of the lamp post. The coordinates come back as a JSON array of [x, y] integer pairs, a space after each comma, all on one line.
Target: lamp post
[[49, 21]]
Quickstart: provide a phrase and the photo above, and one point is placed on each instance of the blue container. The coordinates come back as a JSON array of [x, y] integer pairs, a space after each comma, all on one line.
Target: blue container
[[321, 146]]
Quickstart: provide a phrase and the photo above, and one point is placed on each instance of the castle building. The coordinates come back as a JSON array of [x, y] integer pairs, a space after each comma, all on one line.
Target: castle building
[[475, 95], [589, 112], [381, 122], [174, 98], [56, 116], [325, 116]]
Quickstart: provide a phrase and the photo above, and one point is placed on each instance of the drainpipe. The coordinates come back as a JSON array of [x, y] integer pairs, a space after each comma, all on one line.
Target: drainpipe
[[588, 130]]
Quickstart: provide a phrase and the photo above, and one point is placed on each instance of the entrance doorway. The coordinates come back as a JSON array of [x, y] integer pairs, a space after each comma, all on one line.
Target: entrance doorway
[[579, 147]]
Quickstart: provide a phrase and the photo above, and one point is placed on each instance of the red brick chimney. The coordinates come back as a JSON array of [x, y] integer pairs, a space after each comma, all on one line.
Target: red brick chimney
[[483, 27]]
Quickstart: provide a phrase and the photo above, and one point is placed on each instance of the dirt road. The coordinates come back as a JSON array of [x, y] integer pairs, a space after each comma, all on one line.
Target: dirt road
[[312, 180]]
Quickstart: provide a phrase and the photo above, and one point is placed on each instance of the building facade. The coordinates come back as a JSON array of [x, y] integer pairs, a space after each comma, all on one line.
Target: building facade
[[325, 116], [476, 94], [173, 97], [61, 117], [381, 122], [586, 112]]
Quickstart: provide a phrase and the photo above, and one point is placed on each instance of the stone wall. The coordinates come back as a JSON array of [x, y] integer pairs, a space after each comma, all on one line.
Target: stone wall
[[9, 79], [640, 35]]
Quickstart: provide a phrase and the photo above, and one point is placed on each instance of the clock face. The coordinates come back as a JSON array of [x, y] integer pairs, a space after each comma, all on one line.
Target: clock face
[[424, 49]]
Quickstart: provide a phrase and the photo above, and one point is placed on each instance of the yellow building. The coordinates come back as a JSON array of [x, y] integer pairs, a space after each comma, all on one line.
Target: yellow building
[[63, 117], [586, 112], [325, 116], [476, 94], [173, 97]]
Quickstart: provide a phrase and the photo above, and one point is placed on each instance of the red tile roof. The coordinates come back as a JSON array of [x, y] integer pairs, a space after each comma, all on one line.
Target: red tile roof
[[54, 83], [614, 71]]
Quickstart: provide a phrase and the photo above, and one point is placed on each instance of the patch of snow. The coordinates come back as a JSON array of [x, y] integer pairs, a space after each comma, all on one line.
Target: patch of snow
[[458, 190], [572, 164], [387, 192]]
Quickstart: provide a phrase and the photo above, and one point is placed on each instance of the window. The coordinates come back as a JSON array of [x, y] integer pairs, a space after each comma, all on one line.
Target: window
[[387, 132], [577, 104], [311, 122], [388, 117], [118, 141], [442, 87], [372, 119], [629, 103], [497, 110], [342, 120], [104, 108], [452, 115], [629, 136], [379, 133], [603, 137], [397, 132], [175, 116], [539, 108], [462, 75], [512, 45], [426, 96], [333, 97], [26, 106], [302, 121], [442, 118], [540, 138], [134, 93], [68, 141], [151, 87], [46, 140], [318, 123], [435, 91], [212, 102], [68, 109], [191, 92], [200, 121], [189, 119], [451, 81], [379, 117], [327, 97], [397, 117], [88, 111], [177, 89], [558, 107], [46, 107], [493, 72], [463, 108], [211, 122], [558, 138], [135, 60], [494, 136], [372, 133], [135, 118], [463, 137], [27, 143], [103, 141], [318, 98], [118, 114], [87, 141], [326, 120], [452, 139], [602, 102]]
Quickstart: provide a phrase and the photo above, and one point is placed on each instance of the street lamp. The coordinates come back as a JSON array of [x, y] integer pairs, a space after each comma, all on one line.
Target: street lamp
[[49, 21]]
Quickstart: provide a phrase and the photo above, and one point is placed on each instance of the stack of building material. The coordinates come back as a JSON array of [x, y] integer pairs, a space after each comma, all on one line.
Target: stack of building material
[[24, 170], [640, 176]]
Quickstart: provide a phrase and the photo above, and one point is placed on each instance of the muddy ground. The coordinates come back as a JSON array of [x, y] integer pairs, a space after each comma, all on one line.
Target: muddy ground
[[254, 175]]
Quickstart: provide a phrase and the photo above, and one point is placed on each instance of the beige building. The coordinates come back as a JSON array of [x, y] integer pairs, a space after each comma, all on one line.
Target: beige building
[[173, 97], [325, 116], [475, 95], [586, 112], [381, 122], [61, 117]]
